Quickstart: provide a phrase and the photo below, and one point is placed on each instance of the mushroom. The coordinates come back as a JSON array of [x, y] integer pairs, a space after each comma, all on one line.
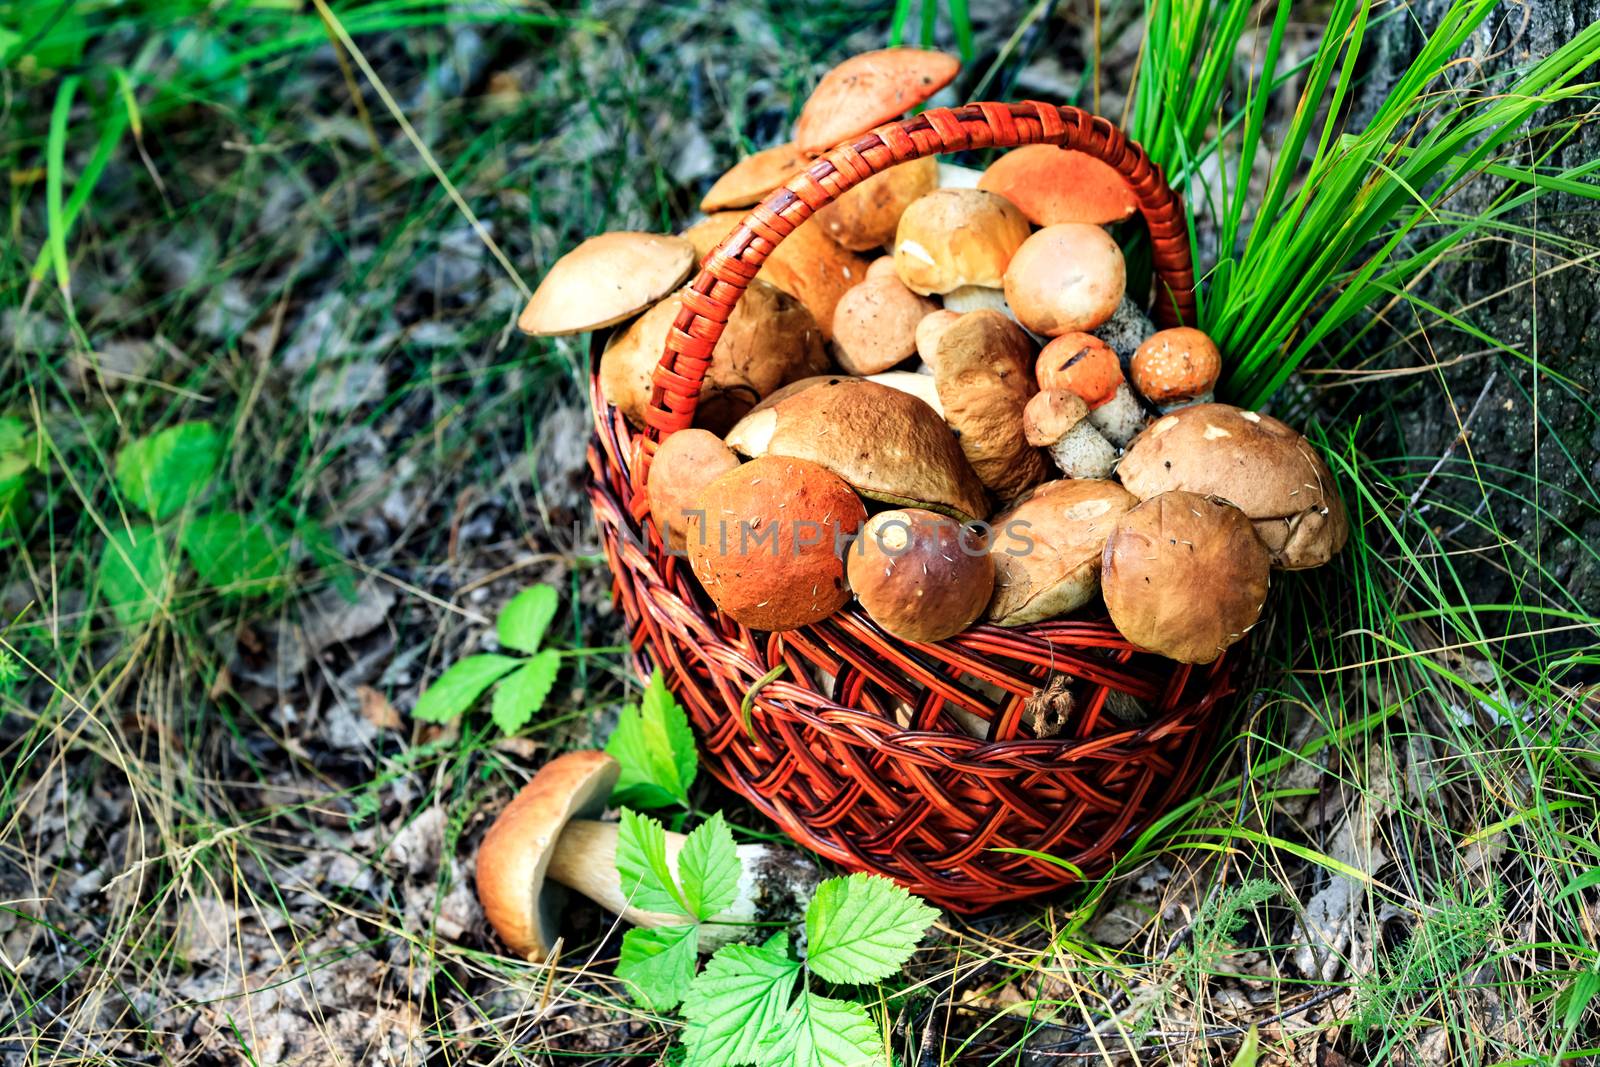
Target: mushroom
[[1184, 575], [956, 237], [868, 90], [1176, 368], [752, 178], [920, 386], [684, 464], [770, 340], [604, 280], [1046, 550], [929, 330], [882, 267], [1126, 329], [1254, 462], [888, 445], [1065, 278], [982, 368], [865, 216], [1053, 185], [1058, 421], [977, 298], [955, 176], [875, 324], [767, 541], [549, 833], [1085, 366], [920, 575]]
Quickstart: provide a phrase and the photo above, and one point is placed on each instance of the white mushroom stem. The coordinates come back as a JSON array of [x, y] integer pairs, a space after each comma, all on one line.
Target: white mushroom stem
[[1119, 419], [1083, 452], [977, 298], [919, 385]]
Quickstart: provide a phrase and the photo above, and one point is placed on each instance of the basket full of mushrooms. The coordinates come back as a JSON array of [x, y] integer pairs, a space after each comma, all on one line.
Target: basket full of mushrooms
[[940, 540]]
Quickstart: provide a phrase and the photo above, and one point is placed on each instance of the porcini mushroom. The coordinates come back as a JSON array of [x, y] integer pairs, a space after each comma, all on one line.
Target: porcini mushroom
[[1176, 368], [1053, 185], [604, 280], [920, 575], [1266, 469], [955, 237], [868, 90], [1184, 575], [549, 834], [982, 368], [1046, 550], [1065, 278], [875, 325], [767, 541], [865, 216], [752, 178], [929, 330], [1058, 421], [684, 464], [1085, 366]]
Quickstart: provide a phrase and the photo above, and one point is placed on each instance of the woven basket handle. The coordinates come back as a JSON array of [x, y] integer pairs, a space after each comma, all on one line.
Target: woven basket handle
[[710, 298]]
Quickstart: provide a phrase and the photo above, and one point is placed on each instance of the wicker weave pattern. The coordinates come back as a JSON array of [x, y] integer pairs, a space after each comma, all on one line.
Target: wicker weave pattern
[[862, 749]]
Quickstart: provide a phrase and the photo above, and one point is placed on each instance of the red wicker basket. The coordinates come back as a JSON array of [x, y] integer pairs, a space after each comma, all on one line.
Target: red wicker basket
[[862, 748]]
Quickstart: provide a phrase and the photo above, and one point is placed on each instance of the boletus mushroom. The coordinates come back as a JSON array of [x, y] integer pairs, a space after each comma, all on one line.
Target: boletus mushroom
[[1047, 549], [982, 368], [1053, 185], [604, 280], [1058, 421], [1086, 366], [684, 464], [929, 330], [1253, 461], [548, 837], [865, 216], [868, 90], [1184, 575], [753, 177], [920, 575], [1176, 368], [875, 324], [1065, 278], [957, 237]]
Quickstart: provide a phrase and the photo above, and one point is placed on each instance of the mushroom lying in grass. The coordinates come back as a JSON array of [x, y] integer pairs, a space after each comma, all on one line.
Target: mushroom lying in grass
[[983, 369], [865, 216], [875, 324], [1185, 576], [549, 834], [868, 90], [684, 464], [919, 575], [604, 280], [1058, 422], [954, 238], [1065, 278], [1053, 185], [1047, 549], [1085, 366], [753, 177], [1176, 368]]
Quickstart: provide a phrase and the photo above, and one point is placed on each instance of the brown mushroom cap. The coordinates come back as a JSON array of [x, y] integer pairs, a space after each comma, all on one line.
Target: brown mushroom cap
[[882, 267], [1253, 461], [1050, 415], [1066, 278], [770, 340], [684, 464], [768, 541], [752, 178], [887, 444], [868, 90], [930, 329], [1175, 365], [919, 575], [1053, 185], [1046, 550], [983, 369], [604, 280], [955, 237], [515, 853], [866, 215], [875, 325], [1184, 575]]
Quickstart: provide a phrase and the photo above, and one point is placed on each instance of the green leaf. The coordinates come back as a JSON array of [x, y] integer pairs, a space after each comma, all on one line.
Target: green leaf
[[642, 865], [524, 620], [1249, 1050], [235, 555], [862, 928], [1575, 999], [16, 461], [658, 963], [135, 573], [458, 688], [161, 473], [709, 868], [519, 698], [823, 1032], [740, 995], [655, 748]]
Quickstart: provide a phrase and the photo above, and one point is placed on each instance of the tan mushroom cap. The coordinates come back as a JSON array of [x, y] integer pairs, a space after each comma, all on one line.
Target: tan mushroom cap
[[921, 576], [866, 215], [770, 340], [1066, 278], [930, 329], [1050, 415], [955, 237], [1184, 575], [983, 369], [868, 90], [875, 325], [604, 280], [1175, 365], [882, 267], [1253, 461], [753, 177], [887, 444], [1053, 185], [1047, 549], [684, 464], [768, 542], [515, 853]]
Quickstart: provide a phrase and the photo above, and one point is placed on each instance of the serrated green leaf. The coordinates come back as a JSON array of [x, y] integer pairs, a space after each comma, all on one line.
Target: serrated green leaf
[[654, 747], [161, 473], [708, 868], [862, 928], [235, 555], [658, 964], [458, 688], [135, 573], [642, 865], [823, 1032], [741, 994], [526, 617], [519, 697]]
